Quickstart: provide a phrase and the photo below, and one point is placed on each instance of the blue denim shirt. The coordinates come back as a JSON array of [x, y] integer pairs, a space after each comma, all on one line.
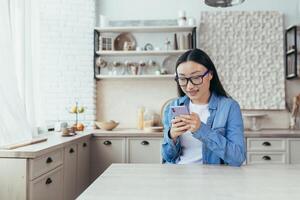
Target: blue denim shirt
[[222, 136]]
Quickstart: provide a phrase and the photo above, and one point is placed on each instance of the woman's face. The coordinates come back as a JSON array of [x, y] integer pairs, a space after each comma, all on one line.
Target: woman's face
[[200, 89]]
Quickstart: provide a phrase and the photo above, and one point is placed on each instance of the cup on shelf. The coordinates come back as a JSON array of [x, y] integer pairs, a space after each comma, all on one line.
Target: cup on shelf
[[191, 21], [103, 21]]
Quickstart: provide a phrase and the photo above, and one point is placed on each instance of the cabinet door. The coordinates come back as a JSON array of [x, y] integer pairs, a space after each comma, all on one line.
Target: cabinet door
[[294, 151], [266, 158], [48, 186], [83, 166], [266, 144], [70, 161], [144, 150], [106, 151]]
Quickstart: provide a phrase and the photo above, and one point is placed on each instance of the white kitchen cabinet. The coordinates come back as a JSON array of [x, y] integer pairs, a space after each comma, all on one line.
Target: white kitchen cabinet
[[294, 149], [43, 164], [273, 150], [48, 186], [70, 170], [105, 151], [267, 151], [266, 158], [266, 144], [58, 172], [83, 166], [144, 150]]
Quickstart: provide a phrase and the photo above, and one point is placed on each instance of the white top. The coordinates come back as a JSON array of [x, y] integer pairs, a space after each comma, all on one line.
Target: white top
[[192, 147]]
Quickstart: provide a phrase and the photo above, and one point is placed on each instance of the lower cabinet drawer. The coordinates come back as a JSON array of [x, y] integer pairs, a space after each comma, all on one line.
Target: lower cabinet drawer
[[266, 144], [261, 158], [144, 150], [45, 163], [48, 186]]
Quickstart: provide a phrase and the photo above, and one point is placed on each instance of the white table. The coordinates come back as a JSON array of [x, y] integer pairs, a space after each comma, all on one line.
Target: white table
[[184, 182]]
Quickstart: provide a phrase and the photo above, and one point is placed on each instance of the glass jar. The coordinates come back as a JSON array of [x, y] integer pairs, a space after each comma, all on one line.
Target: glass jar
[[148, 118]]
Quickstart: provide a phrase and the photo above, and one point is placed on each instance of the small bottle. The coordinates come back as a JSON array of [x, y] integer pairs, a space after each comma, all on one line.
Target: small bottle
[[140, 124]]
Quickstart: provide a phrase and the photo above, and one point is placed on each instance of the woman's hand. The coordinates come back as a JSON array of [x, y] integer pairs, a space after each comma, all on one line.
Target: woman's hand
[[192, 120], [178, 127]]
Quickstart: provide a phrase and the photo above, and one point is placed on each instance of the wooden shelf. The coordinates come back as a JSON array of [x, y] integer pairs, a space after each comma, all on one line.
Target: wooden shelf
[[137, 53], [146, 29], [168, 76]]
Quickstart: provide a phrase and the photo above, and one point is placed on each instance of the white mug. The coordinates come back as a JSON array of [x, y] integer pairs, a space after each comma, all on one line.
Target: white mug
[[103, 21], [191, 21]]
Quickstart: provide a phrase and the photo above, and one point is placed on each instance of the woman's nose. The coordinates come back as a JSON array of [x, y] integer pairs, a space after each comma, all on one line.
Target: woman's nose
[[189, 85]]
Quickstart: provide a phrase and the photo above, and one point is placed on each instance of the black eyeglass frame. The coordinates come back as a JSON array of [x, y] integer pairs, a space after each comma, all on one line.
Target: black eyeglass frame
[[192, 77]]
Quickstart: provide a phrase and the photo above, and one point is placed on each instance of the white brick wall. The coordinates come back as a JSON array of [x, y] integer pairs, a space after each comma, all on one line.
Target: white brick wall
[[66, 36]]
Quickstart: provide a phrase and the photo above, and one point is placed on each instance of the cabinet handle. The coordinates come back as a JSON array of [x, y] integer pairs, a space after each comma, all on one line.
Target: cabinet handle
[[48, 181], [107, 142], [49, 160], [145, 142], [266, 158], [266, 144], [84, 145], [71, 150]]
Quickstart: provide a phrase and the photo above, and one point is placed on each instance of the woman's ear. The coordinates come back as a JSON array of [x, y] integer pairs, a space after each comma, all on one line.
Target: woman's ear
[[211, 75]]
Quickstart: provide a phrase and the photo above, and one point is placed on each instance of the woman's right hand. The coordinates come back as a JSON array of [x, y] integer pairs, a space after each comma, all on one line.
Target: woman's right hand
[[178, 127]]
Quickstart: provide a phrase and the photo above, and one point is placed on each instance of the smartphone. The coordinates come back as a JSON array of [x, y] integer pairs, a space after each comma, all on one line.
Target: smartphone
[[179, 110]]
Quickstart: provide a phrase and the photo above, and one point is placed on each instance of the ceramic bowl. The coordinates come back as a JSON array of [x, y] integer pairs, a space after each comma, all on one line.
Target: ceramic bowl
[[107, 125]]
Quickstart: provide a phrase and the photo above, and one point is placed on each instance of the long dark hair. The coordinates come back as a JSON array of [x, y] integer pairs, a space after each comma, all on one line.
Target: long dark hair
[[200, 57]]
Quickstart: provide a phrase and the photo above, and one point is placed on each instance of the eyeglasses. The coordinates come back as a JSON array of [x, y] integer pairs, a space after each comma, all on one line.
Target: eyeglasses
[[195, 80]]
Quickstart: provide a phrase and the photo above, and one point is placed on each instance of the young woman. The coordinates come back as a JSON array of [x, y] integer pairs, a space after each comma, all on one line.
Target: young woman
[[213, 132]]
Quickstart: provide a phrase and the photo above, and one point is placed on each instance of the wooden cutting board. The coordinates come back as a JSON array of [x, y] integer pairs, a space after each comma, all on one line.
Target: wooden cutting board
[[25, 143]]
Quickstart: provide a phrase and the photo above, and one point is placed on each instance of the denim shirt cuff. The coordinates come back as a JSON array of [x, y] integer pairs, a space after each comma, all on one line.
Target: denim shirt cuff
[[171, 142], [202, 132]]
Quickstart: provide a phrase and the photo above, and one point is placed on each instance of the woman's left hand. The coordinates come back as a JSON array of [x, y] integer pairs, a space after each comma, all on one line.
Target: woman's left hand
[[192, 119]]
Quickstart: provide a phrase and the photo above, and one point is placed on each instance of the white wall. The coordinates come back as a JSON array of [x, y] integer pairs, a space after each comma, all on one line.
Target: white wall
[[67, 45], [167, 9], [66, 35]]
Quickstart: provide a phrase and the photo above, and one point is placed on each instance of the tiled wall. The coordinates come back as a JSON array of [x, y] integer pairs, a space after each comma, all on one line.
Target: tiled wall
[[66, 43], [247, 49]]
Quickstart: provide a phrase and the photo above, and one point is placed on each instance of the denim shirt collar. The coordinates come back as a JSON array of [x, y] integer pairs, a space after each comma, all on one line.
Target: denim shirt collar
[[212, 104]]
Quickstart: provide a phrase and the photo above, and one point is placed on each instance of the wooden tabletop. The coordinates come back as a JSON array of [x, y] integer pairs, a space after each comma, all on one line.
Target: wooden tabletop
[[184, 182]]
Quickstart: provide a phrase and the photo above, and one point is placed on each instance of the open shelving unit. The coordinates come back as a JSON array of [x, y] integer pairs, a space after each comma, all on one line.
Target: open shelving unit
[[291, 52], [137, 53], [138, 29], [168, 76], [145, 29]]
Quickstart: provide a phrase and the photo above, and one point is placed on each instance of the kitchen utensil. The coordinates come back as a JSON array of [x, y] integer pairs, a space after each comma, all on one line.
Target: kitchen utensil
[[107, 125], [125, 39], [142, 66], [100, 62], [169, 63], [154, 129], [148, 47]]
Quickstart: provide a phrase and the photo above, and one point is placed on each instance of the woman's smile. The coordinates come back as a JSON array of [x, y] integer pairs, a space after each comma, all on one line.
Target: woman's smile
[[193, 92]]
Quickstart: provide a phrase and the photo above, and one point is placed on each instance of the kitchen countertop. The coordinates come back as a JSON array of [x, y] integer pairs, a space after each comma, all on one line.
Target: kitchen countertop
[[55, 141], [273, 133], [262, 133], [122, 132], [158, 181]]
